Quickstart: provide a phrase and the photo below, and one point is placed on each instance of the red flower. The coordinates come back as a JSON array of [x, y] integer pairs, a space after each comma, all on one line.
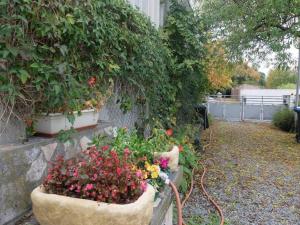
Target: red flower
[[119, 171], [169, 132], [97, 175], [144, 185], [180, 147], [92, 81], [105, 148]]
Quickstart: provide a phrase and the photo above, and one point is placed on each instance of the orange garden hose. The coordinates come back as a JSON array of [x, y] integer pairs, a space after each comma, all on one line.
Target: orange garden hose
[[209, 197], [178, 204], [203, 188]]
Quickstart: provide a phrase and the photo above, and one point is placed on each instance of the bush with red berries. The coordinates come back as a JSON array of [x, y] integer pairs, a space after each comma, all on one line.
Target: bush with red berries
[[99, 174]]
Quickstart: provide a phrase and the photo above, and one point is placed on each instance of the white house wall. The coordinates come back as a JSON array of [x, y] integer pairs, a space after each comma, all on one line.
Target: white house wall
[[150, 8], [267, 92]]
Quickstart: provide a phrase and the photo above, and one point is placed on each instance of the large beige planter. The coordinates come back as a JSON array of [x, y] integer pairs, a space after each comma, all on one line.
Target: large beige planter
[[173, 156], [51, 209]]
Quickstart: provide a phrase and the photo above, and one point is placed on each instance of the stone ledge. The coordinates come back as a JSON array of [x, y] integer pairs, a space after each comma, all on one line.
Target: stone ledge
[[44, 141], [166, 198]]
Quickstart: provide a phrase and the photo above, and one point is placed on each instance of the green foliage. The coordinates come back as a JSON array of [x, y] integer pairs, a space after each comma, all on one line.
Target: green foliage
[[158, 142], [262, 79], [287, 86], [284, 120], [139, 146], [280, 77], [254, 25], [186, 37], [66, 135], [50, 51]]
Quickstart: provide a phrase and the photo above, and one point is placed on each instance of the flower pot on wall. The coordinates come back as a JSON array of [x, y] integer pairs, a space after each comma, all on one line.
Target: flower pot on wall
[[172, 155], [50, 209], [52, 123]]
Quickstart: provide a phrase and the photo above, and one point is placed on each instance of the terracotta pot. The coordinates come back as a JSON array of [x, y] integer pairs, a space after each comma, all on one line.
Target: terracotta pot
[[51, 209], [51, 124], [173, 156]]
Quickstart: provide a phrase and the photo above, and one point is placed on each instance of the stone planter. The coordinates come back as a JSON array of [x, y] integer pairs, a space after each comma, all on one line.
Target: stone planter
[[173, 156], [51, 209], [51, 124]]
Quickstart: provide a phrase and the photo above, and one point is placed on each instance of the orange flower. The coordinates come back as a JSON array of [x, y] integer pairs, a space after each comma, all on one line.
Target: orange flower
[[169, 132]]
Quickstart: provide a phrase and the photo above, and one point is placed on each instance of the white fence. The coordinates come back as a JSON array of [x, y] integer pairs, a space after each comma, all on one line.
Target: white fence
[[255, 108]]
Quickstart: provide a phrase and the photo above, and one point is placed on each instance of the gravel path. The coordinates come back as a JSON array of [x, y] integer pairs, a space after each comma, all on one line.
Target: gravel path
[[254, 173]]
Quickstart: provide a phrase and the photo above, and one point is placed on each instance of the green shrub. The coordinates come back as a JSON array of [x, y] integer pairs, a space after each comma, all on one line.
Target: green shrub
[[284, 120]]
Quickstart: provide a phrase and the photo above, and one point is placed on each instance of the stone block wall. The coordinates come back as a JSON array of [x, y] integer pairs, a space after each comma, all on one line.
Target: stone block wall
[[12, 130], [23, 167]]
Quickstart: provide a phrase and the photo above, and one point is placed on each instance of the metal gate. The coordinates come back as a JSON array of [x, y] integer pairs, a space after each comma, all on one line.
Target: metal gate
[[243, 108]]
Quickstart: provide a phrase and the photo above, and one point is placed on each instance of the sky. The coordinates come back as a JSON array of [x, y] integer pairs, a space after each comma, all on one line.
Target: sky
[[266, 66]]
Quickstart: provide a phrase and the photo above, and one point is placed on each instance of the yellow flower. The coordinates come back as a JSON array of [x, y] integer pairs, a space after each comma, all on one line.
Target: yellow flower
[[153, 169], [154, 175], [134, 167], [147, 166], [145, 174]]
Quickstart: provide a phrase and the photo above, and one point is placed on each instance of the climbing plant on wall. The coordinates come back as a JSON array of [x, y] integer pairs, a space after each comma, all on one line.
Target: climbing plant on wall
[[59, 56], [186, 37], [56, 55]]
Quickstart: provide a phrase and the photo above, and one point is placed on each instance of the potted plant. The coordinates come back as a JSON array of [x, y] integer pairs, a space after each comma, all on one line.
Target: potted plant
[[161, 141], [101, 187], [86, 115]]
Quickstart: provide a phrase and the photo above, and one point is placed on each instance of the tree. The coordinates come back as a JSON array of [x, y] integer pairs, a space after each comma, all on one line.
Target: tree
[[262, 79], [280, 78], [219, 69], [255, 25], [243, 73]]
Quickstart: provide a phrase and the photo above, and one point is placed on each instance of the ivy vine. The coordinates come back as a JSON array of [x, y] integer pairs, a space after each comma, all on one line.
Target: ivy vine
[[60, 56]]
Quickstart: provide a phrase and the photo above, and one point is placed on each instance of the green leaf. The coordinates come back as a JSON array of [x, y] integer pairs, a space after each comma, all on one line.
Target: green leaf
[[23, 75], [57, 89], [70, 19], [34, 65], [71, 118], [63, 50]]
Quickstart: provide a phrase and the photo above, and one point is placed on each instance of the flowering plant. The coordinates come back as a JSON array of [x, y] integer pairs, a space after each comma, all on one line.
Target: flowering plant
[[100, 174]]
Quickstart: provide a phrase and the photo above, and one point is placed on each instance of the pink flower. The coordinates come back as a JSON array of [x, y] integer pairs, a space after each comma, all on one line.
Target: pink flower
[[78, 188], [119, 171], [139, 173], [76, 173], [105, 148], [169, 132], [89, 187], [163, 162], [127, 151], [114, 193], [49, 177], [113, 153], [92, 81], [72, 187], [143, 185], [94, 177]]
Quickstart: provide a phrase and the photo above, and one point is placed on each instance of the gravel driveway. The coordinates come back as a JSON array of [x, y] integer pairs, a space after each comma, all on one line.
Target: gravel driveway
[[254, 174]]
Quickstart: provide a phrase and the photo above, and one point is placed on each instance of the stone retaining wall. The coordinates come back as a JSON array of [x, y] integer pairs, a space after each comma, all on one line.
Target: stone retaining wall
[[22, 168]]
